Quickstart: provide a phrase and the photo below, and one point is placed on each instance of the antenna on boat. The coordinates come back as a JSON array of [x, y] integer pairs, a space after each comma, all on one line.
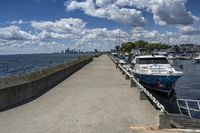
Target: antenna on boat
[[119, 36], [168, 40]]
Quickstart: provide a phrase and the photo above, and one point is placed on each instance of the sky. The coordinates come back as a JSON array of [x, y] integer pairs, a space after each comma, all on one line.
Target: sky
[[46, 26]]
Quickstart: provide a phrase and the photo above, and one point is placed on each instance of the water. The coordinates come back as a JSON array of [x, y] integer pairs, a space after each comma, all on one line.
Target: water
[[188, 86], [11, 65]]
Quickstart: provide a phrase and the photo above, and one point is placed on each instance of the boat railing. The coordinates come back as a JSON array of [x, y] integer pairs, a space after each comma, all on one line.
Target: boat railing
[[189, 107], [152, 99], [178, 67], [156, 69]]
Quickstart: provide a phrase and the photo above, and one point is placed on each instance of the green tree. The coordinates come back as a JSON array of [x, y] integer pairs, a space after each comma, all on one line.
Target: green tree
[[177, 48], [140, 44], [127, 47]]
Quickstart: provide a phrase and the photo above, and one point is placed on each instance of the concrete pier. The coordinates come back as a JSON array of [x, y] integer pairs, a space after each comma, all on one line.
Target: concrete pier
[[96, 99]]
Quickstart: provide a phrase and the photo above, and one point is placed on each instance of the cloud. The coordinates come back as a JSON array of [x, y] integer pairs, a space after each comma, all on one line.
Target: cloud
[[35, 47], [15, 33], [18, 22], [104, 9], [165, 12], [68, 28], [139, 33], [101, 38], [171, 12], [49, 36], [189, 30], [61, 26]]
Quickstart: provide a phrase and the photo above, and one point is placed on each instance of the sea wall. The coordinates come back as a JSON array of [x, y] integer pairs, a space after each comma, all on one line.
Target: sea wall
[[18, 89]]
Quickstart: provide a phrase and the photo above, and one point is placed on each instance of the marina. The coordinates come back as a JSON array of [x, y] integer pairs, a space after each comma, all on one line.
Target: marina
[[179, 111], [109, 100], [100, 66]]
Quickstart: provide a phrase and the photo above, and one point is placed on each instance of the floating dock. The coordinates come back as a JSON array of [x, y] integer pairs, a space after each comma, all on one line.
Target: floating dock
[[95, 99]]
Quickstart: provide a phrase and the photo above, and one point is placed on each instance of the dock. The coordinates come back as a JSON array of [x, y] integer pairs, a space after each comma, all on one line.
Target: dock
[[95, 99]]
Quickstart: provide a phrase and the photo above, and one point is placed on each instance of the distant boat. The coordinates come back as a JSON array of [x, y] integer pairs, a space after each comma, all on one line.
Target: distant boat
[[126, 56], [155, 72], [197, 59]]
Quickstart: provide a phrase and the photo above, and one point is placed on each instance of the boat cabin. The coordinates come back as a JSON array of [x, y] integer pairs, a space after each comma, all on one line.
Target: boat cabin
[[150, 59]]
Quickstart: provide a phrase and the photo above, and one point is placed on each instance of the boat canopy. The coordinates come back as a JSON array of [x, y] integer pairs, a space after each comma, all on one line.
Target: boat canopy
[[152, 60]]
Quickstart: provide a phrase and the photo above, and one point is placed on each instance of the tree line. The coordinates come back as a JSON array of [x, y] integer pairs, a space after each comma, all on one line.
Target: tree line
[[128, 46]]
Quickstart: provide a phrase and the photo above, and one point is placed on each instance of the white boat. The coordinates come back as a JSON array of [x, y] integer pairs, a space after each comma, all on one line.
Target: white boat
[[126, 56], [197, 59], [122, 61], [155, 72], [115, 55]]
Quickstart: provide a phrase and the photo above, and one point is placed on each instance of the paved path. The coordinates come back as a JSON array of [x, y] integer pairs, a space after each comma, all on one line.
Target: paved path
[[96, 99]]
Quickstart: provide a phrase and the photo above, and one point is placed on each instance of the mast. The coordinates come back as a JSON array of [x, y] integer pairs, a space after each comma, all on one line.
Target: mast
[[119, 37]]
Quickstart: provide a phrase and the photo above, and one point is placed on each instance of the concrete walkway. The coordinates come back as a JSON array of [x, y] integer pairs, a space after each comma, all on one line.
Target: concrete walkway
[[96, 99]]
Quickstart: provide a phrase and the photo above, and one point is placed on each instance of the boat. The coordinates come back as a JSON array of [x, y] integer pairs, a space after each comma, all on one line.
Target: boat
[[115, 55], [126, 56], [122, 61], [154, 72], [197, 59]]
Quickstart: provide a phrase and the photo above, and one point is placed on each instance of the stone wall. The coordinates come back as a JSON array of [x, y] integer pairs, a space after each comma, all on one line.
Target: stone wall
[[19, 89]]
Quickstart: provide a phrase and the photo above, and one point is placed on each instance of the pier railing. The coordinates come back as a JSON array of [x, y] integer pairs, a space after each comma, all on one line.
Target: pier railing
[[189, 107], [134, 82], [155, 102]]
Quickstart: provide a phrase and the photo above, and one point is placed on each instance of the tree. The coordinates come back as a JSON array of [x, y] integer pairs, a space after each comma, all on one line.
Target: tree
[[140, 44], [148, 47], [127, 47], [177, 48]]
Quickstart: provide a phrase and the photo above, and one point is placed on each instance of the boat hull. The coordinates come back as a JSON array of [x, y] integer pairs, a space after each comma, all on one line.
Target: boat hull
[[161, 83], [197, 60]]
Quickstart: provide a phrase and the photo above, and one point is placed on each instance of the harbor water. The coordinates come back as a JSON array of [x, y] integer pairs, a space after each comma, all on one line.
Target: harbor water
[[11, 65], [188, 86]]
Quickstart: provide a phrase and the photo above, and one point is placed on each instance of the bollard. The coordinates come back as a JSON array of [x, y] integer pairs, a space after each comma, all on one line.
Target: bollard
[[132, 83], [142, 95], [126, 77], [163, 120], [120, 69], [117, 65], [123, 72]]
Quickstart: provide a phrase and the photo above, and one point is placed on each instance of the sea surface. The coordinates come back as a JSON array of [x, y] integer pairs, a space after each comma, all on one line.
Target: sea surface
[[188, 86], [12, 65]]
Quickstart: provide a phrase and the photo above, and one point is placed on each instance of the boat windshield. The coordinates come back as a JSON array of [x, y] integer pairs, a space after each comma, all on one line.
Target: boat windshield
[[152, 61]]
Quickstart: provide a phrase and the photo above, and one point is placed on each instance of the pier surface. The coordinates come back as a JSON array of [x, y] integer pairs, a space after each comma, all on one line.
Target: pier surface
[[96, 99]]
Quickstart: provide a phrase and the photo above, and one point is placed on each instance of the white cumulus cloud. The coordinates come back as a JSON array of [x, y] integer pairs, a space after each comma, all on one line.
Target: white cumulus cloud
[[189, 30], [15, 33], [104, 9], [165, 12]]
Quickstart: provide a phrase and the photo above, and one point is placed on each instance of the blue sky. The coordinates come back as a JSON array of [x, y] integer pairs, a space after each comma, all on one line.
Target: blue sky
[[45, 26]]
